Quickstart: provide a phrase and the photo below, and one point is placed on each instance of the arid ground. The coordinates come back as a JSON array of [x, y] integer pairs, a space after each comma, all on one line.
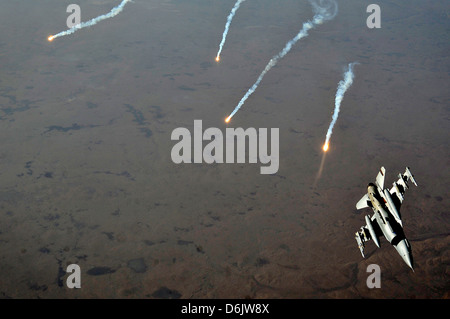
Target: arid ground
[[85, 150]]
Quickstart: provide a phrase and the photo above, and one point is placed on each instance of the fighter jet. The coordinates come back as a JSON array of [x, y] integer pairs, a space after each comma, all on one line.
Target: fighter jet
[[386, 220]]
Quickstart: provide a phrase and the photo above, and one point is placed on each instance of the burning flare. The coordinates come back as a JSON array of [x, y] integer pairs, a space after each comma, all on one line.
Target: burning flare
[[325, 147], [114, 11], [227, 27], [342, 88], [227, 120]]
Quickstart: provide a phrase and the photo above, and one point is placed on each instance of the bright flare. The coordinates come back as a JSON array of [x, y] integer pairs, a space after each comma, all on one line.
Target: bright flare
[[325, 147], [227, 120], [342, 88], [227, 27], [114, 11]]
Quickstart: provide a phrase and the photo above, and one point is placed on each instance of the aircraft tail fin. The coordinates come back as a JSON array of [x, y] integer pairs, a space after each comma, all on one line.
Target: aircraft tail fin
[[363, 202], [380, 177]]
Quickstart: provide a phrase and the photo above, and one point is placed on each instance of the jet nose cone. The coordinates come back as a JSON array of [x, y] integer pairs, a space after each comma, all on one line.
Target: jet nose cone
[[404, 249]]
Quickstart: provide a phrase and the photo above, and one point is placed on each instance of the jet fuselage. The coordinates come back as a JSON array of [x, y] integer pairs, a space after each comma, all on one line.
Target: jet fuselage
[[389, 224]]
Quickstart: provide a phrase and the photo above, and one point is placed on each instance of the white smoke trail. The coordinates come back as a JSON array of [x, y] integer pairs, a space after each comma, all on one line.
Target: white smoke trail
[[342, 88], [227, 27], [114, 11], [322, 13]]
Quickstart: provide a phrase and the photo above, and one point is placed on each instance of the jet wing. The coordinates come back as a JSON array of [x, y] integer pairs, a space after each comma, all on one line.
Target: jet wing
[[400, 186], [371, 231]]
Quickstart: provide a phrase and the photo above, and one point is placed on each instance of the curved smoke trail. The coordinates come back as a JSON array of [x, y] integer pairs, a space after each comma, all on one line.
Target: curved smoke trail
[[114, 11], [227, 27], [342, 88], [323, 12]]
